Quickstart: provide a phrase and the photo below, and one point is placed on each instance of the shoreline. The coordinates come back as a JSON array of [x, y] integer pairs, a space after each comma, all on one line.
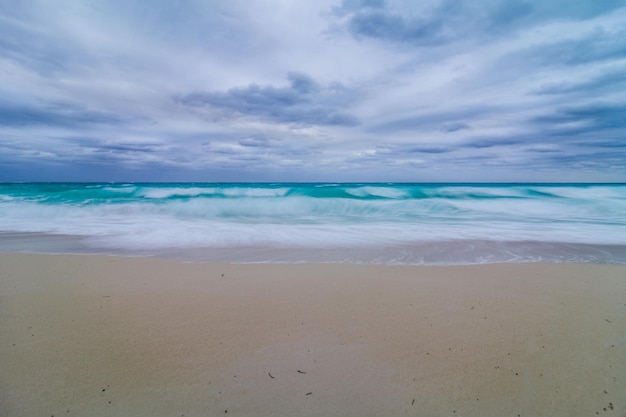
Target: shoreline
[[424, 253], [106, 335]]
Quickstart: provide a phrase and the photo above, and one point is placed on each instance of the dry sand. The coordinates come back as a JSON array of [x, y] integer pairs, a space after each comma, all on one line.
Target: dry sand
[[111, 336]]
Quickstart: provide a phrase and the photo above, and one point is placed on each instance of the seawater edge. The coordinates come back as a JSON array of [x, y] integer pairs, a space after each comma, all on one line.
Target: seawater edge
[[396, 223], [423, 253]]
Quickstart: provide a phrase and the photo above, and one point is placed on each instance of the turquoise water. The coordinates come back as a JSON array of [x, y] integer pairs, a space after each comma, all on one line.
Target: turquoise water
[[285, 222]]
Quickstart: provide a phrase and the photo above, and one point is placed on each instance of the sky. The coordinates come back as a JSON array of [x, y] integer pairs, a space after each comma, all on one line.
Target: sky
[[325, 90]]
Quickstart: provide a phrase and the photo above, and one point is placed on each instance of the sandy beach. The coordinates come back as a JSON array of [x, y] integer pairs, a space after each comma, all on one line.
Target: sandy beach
[[84, 335]]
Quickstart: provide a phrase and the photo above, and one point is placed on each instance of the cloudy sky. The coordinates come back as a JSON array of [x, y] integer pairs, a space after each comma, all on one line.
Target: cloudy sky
[[325, 90]]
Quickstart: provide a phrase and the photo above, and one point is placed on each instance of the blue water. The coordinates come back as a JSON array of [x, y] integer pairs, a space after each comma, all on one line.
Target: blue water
[[286, 222]]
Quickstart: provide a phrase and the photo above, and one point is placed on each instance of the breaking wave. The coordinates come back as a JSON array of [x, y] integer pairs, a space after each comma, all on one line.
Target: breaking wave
[[316, 216]]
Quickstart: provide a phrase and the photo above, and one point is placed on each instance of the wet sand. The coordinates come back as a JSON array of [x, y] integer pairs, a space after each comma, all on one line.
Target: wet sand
[[91, 335]]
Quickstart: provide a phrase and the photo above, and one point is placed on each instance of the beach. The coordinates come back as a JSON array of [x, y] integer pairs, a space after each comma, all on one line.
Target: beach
[[106, 336]]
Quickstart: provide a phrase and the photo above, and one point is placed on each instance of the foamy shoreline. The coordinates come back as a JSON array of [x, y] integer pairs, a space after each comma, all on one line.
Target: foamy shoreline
[[455, 252], [420, 223], [105, 335]]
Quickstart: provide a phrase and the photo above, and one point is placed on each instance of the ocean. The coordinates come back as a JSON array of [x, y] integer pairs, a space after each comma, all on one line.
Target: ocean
[[381, 223]]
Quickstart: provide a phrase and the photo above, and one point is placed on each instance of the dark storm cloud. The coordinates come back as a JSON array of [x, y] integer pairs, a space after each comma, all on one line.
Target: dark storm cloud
[[603, 83], [255, 142], [454, 127], [303, 101], [448, 120], [597, 47], [394, 27], [594, 118], [447, 20], [378, 20], [54, 115]]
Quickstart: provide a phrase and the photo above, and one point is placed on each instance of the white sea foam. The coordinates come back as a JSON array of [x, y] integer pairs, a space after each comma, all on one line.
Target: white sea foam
[[385, 192], [297, 222], [254, 192], [162, 193], [125, 188], [292, 217]]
